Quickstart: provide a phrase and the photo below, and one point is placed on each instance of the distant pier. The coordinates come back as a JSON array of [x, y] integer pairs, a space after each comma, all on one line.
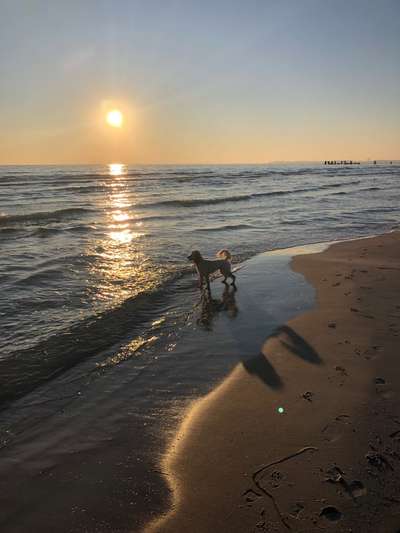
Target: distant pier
[[341, 162]]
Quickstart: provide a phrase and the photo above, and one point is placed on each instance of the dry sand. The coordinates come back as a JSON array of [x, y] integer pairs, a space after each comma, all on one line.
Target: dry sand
[[331, 460]]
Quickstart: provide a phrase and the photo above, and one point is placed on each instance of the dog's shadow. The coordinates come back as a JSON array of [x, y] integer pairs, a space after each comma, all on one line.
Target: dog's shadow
[[210, 307]]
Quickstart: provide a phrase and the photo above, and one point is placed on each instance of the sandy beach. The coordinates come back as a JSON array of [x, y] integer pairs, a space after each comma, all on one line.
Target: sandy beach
[[316, 448], [200, 267], [275, 409]]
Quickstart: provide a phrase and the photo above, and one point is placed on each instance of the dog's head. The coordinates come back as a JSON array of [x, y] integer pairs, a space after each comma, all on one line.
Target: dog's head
[[195, 256]]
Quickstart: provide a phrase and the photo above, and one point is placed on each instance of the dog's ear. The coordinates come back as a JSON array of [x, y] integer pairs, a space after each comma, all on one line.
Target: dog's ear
[[195, 256]]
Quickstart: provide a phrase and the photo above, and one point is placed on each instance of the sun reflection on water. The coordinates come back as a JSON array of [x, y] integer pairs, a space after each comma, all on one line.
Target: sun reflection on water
[[122, 268], [119, 216], [117, 169], [122, 233], [125, 235]]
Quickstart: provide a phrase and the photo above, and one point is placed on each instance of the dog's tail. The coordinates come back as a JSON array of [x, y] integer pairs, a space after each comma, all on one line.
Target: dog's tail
[[224, 254]]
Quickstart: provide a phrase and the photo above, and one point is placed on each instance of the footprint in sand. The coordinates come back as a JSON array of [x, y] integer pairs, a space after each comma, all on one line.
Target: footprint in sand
[[383, 389], [354, 489], [250, 496], [334, 431], [386, 394], [357, 489], [308, 396], [296, 510], [276, 478], [378, 461], [370, 354], [331, 513], [342, 371], [272, 484]]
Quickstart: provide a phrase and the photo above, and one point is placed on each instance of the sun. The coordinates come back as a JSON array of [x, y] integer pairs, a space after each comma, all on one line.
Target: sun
[[114, 118]]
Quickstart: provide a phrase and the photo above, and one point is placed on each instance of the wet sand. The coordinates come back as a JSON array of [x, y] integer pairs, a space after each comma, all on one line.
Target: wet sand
[[86, 451], [81, 453], [315, 445]]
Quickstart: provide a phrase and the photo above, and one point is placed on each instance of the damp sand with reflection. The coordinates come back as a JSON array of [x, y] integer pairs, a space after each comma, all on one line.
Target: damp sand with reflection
[[304, 436]]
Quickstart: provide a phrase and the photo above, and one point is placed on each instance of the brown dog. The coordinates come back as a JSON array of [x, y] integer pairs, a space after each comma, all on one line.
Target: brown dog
[[205, 267]]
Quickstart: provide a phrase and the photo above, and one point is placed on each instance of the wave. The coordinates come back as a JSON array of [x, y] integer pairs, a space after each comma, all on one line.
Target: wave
[[294, 222], [197, 201], [194, 202], [6, 231], [28, 368], [70, 260], [340, 184], [80, 228], [227, 227], [44, 215], [370, 189], [356, 191], [81, 189], [212, 201], [46, 232], [41, 277]]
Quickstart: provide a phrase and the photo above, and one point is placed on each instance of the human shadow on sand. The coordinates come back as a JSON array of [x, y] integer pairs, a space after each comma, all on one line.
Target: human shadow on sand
[[210, 307], [262, 368], [296, 344], [259, 365], [292, 341]]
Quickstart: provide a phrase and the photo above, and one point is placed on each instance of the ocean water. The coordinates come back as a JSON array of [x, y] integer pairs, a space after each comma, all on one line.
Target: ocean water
[[93, 256]]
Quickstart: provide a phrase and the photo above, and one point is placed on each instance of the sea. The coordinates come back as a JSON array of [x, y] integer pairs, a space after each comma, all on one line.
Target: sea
[[94, 257]]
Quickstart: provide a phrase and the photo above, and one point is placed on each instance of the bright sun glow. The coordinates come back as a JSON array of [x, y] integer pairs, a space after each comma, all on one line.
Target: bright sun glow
[[116, 169], [114, 118]]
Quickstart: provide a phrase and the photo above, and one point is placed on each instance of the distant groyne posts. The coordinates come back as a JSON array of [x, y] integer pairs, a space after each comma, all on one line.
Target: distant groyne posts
[[341, 162]]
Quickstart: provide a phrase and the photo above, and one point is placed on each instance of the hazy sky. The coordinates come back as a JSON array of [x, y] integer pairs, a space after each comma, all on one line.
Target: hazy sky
[[199, 81]]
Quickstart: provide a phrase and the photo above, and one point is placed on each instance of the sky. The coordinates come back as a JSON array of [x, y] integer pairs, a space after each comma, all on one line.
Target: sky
[[210, 81]]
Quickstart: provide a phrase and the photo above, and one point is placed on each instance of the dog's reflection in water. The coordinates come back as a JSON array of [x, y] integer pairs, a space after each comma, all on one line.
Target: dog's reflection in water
[[210, 306]]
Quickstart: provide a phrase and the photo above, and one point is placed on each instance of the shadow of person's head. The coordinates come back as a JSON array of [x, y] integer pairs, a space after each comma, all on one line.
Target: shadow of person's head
[[260, 367], [297, 345]]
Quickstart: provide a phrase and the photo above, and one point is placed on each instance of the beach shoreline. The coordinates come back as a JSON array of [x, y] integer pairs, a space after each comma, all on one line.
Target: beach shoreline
[[99, 459], [321, 451]]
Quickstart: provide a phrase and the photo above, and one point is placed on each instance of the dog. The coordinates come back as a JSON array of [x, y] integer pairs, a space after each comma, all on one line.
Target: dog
[[206, 267]]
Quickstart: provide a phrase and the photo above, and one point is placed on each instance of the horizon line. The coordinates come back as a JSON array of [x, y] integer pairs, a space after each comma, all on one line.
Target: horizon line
[[277, 161]]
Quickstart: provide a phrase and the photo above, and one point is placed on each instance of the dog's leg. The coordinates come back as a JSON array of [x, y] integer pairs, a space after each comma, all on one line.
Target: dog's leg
[[225, 273]]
